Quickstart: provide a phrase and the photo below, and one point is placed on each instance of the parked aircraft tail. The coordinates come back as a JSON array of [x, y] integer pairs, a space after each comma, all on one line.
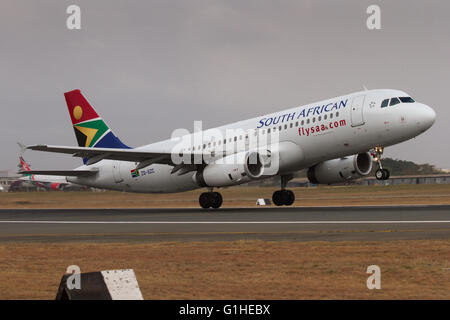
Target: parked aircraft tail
[[23, 165]]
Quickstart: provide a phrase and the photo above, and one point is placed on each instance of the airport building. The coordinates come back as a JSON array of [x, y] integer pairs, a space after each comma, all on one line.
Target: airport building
[[7, 178]]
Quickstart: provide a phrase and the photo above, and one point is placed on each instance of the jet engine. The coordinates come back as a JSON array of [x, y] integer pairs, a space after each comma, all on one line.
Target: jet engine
[[231, 170], [341, 170]]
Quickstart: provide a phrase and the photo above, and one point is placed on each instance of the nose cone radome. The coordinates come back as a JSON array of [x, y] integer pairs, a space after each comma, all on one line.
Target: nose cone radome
[[428, 116]]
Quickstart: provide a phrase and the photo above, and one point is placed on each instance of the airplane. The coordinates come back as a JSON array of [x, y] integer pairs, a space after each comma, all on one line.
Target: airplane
[[336, 140], [48, 182]]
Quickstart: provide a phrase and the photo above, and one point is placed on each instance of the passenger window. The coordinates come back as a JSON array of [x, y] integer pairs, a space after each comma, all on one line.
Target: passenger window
[[303, 122], [279, 128], [320, 118], [407, 99], [296, 124], [314, 119], [385, 103], [331, 116], [235, 138], [285, 126], [394, 101], [307, 121], [325, 117], [291, 125], [268, 130], [337, 114]]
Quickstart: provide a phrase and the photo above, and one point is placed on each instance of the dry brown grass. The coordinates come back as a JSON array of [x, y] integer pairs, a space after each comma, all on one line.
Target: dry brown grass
[[234, 197], [416, 269]]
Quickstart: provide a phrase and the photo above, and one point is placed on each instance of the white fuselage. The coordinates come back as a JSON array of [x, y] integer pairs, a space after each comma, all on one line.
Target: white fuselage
[[320, 131], [49, 181]]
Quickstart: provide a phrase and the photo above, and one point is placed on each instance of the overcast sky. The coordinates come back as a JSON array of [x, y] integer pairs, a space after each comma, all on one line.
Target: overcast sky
[[149, 67]]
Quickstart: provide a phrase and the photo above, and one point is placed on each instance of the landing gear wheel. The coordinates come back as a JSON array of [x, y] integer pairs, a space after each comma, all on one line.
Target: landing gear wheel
[[382, 174], [379, 174], [204, 200], [277, 198], [386, 174], [210, 200], [216, 200], [290, 197], [283, 197]]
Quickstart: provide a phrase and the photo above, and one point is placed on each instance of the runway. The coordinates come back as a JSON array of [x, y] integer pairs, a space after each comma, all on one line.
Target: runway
[[361, 223]]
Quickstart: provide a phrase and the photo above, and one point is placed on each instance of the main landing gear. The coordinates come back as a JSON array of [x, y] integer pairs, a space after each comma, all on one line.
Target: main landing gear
[[380, 174], [283, 196], [210, 200]]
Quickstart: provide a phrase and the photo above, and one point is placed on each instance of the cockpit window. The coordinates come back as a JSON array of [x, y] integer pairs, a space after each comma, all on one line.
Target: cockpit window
[[407, 99], [394, 101]]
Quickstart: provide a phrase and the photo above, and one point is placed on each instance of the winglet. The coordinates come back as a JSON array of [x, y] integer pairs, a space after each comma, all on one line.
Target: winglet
[[22, 147]]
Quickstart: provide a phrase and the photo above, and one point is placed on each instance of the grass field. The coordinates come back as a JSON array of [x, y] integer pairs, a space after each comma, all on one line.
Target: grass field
[[234, 197], [238, 270]]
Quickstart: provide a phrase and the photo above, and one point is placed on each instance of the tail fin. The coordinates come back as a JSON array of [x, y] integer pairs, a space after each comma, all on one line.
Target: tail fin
[[23, 165], [90, 129]]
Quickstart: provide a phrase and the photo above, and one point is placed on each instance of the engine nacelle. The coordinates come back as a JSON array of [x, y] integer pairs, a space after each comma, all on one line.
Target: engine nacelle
[[341, 170], [231, 170]]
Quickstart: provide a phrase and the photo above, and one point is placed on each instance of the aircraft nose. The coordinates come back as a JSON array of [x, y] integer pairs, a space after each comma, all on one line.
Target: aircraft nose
[[428, 116]]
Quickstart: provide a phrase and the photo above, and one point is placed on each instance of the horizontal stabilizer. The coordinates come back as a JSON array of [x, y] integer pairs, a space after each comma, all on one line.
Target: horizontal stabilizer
[[65, 173]]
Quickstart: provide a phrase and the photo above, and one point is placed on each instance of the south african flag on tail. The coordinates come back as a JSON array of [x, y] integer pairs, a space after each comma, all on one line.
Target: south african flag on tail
[[90, 129]]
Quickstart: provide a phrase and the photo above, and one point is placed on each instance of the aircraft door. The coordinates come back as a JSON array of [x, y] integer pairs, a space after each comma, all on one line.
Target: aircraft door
[[357, 111], [116, 172]]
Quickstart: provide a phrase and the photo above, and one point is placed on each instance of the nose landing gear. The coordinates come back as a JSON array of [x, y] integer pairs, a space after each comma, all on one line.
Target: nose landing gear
[[283, 196], [380, 174], [210, 200]]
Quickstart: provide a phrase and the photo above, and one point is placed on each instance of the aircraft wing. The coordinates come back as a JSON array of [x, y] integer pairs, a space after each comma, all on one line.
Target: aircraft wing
[[96, 154], [65, 173]]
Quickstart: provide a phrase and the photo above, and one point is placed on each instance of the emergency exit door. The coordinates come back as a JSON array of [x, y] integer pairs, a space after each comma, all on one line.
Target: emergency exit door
[[357, 111]]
